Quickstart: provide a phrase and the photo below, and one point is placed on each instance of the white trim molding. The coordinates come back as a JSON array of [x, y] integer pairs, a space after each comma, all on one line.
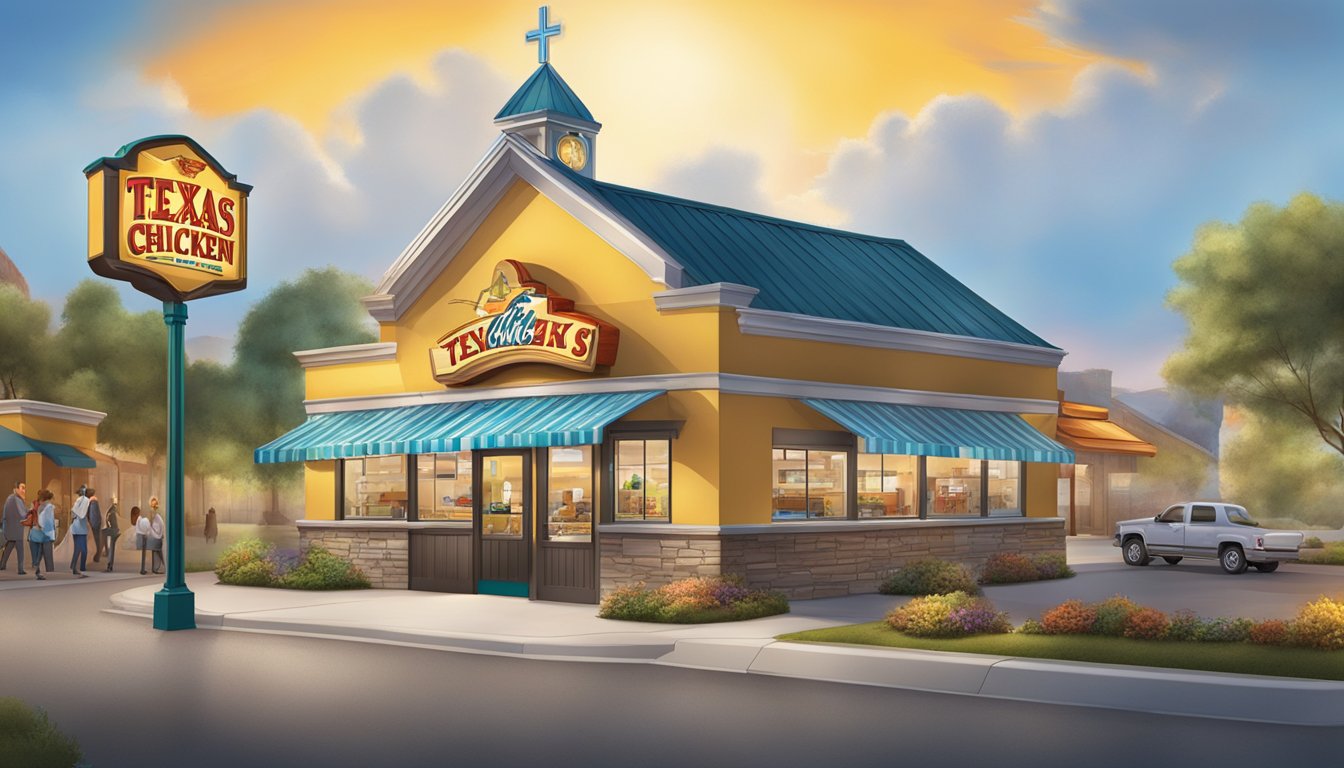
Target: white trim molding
[[353, 353], [509, 159], [540, 117], [727, 383], [814, 526], [711, 295], [787, 325], [52, 411]]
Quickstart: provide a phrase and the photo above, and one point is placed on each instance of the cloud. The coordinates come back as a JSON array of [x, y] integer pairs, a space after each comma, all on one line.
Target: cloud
[[722, 176], [1069, 220]]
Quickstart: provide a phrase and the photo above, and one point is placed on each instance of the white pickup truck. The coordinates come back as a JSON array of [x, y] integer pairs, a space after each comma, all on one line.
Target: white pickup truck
[[1215, 530]]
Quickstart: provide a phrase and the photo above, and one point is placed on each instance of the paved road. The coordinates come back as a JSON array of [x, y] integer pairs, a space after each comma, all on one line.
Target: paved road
[[216, 698]]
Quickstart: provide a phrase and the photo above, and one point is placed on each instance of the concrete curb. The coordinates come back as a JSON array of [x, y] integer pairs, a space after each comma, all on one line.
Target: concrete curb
[[1283, 701]]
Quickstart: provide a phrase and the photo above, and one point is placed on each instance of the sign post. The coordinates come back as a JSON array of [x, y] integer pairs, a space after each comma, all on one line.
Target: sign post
[[167, 218]]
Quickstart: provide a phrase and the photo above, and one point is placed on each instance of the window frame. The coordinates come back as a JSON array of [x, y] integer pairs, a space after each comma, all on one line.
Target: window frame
[[786, 439], [634, 430], [542, 464], [408, 468]]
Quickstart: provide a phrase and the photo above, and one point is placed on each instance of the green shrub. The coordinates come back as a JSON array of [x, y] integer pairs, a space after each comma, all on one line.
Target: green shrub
[[1071, 617], [1112, 615], [1051, 566], [28, 738], [1224, 629], [319, 569], [697, 600], [1185, 625], [952, 615], [929, 577], [1031, 627], [1330, 554], [1313, 542], [1320, 624], [245, 564], [1146, 624]]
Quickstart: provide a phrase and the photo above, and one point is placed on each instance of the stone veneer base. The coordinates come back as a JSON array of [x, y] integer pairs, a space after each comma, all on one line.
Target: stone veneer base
[[382, 554], [828, 563]]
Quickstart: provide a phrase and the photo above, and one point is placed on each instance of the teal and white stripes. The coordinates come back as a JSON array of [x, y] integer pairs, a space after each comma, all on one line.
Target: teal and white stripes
[[948, 432], [515, 422]]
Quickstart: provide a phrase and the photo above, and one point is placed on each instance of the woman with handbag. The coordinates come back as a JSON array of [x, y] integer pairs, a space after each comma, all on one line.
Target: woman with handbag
[[42, 536]]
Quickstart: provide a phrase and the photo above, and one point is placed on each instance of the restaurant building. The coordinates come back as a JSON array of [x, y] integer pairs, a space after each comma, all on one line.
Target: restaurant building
[[579, 385]]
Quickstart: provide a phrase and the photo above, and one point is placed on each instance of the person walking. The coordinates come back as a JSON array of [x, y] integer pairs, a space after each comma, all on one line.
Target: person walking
[[95, 523], [156, 536], [79, 531], [43, 535], [11, 526], [111, 532], [141, 535], [211, 526]]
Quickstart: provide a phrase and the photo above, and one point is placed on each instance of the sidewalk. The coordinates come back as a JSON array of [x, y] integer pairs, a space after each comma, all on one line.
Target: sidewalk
[[560, 631]]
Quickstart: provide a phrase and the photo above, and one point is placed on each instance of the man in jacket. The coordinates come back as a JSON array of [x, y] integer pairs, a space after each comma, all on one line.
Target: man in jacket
[[95, 522], [11, 521]]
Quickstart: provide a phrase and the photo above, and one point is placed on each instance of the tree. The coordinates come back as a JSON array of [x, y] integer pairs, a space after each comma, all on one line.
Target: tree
[[1279, 469], [319, 309], [112, 360], [1264, 300], [25, 344]]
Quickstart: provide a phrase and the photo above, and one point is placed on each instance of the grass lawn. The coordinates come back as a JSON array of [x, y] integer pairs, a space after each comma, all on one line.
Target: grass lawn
[[1242, 658]]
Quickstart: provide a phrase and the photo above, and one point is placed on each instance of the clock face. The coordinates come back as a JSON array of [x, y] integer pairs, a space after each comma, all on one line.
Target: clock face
[[571, 151]]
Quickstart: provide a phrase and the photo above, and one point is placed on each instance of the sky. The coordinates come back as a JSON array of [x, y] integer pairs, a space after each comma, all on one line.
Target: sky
[[1054, 156]]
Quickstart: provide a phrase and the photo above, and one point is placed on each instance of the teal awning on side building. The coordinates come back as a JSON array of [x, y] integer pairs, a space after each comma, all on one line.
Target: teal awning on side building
[[948, 432], [515, 422], [14, 444]]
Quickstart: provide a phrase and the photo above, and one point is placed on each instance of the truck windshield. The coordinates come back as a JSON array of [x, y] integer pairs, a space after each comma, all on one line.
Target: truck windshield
[[1239, 516]]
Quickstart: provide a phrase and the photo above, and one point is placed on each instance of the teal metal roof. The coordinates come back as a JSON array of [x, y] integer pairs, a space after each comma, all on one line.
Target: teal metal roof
[[14, 444], [545, 89], [810, 270], [514, 422], [948, 432]]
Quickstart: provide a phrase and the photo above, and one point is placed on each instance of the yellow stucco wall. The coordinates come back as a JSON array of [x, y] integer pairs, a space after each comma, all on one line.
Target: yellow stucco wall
[[81, 436], [721, 462]]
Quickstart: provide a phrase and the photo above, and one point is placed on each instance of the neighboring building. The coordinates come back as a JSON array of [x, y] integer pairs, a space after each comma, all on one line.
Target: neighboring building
[[9, 273], [579, 386], [53, 446], [1128, 464]]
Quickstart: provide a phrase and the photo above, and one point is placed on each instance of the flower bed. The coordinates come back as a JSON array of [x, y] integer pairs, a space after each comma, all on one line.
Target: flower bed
[[254, 563], [697, 600], [954, 615]]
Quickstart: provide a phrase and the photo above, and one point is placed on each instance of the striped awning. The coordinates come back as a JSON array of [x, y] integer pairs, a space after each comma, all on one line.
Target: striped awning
[[14, 444], [515, 422], [948, 432]]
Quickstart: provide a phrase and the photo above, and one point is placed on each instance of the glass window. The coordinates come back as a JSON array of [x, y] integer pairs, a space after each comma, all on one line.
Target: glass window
[[1202, 515], [1174, 514], [643, 480], [953, 488], [810, 483], [375, 486], [443, 486], [888, 485], [1239, 516], [569, 494], [1005, 488], [503, 497]]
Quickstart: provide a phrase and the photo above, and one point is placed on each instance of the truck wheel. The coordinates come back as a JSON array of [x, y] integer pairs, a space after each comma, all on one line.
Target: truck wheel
[[1267, 567], [1171, 560], [1232, 559], [1135, 552]]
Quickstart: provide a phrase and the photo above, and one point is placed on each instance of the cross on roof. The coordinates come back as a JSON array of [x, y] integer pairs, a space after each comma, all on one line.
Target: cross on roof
[[541, 33]]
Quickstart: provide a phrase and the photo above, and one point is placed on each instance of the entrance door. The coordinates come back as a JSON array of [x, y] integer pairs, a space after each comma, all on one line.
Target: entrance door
[[503, 522]]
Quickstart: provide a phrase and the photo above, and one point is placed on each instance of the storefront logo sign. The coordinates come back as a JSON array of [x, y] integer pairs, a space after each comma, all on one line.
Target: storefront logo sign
[[165, 216], [520, 321]]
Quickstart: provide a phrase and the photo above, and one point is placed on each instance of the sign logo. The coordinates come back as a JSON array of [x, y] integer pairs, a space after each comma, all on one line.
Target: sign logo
[[165, 216], [520, 321]]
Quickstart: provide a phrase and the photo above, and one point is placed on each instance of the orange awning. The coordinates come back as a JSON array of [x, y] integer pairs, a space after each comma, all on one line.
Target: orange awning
[[1097, 434]]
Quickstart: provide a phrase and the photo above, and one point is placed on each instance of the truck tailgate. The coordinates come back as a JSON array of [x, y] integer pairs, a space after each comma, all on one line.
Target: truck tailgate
[[1282, 540]]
